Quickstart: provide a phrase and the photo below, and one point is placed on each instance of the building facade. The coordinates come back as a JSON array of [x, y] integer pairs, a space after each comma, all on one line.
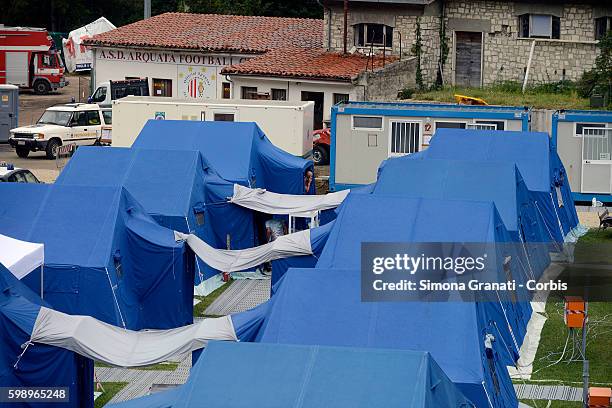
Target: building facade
[[475, 42]]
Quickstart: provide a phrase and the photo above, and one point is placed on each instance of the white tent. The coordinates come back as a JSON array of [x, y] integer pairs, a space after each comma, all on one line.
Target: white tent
[[20, 257]]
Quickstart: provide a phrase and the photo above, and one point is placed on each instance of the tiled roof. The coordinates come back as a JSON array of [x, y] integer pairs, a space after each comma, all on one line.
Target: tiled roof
[[215, 32], [312, 63]]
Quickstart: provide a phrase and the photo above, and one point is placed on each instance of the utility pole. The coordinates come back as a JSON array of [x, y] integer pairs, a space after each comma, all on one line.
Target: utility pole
[[345, 23], [147, 9]]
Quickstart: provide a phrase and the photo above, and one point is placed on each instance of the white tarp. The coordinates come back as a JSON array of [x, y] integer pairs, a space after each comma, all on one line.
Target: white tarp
[[259, 199], [112, 345], [20, 257], [227, 260], [77, 56]]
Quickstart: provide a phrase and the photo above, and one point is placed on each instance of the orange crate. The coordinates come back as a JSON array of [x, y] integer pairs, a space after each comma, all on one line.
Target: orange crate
[[574, 312], [599, 397]]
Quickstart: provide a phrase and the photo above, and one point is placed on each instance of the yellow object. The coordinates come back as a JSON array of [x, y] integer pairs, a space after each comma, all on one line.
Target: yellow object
[[469, 100]]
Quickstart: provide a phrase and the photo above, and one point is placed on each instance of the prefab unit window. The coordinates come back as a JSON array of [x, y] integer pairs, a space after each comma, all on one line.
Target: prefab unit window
[[539, 26], [405, 138], [279, 94], [367, 123], [581, 126], [451, 125], [223, 117], [602, 26], [488, 125], [377, 35]]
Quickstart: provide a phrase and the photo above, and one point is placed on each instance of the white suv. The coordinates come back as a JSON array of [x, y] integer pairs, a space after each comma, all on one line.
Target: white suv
[[76, 123]]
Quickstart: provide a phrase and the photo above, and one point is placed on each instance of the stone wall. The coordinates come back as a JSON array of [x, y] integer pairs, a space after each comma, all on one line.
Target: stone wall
[[505, 54], [384, 84]]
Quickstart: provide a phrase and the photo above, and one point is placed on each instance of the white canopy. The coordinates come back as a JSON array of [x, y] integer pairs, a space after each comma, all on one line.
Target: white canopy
[[227, 260], [20, 257], [100, 341], [259, 199]]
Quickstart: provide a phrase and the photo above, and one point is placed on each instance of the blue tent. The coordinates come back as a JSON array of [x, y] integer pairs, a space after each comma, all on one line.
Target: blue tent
[[323, 307], [426, 220], [173, 188], [275, 375], [239, 152], [39, 365], [104, 256], [168, 184], [499, 182], [539, 165]]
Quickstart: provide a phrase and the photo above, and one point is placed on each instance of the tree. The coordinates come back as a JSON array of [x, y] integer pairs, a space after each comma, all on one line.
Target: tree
[[599, 79]]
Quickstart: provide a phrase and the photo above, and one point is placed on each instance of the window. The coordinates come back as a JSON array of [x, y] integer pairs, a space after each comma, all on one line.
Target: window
[[224, 117], [226, 90], [377, 35], [367, 123], [79, 119], [539, 26], [29, 177], [18, 178], [248, 92], [405, 138], [340, 97], [580, 127], [162, 87], [498, 124], [93, 118], [99, 95], [450, 125], [279, 94], [107, 114], [602, 26]]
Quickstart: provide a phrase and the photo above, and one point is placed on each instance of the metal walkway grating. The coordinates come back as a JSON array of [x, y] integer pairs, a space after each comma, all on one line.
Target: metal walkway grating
[[548, 392], [242, 295]]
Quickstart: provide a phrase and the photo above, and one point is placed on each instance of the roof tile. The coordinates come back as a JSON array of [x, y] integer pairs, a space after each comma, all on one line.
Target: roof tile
[[215, 32], [311, 63]]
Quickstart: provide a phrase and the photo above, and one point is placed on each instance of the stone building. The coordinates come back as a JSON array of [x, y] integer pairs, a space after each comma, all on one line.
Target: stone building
[[475, 42]]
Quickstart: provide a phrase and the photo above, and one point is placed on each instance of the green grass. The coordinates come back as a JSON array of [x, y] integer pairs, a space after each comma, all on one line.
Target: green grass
[[554, 404], [110, 389], [595, 237], [205, 301], [165, 366], [510, 94]]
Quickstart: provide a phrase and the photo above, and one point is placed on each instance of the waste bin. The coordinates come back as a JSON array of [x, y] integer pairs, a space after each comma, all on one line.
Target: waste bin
[[9, 106]]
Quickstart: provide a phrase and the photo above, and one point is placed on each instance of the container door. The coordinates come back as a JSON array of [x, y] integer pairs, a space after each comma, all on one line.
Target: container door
[[596, 161], [468, 58], [17, 68], [8, 112]]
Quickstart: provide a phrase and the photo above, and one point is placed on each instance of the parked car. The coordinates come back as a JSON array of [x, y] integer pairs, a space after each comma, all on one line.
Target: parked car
[[321, 142], [11, 174], [76, 123]]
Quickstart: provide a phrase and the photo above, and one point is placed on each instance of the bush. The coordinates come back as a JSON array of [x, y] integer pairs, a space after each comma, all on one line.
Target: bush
[[406, 93], [587, 83], [508, 87], [560, 87]]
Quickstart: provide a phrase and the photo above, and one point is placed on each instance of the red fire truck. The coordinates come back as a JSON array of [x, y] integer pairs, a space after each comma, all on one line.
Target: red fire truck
[[28, 59]]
